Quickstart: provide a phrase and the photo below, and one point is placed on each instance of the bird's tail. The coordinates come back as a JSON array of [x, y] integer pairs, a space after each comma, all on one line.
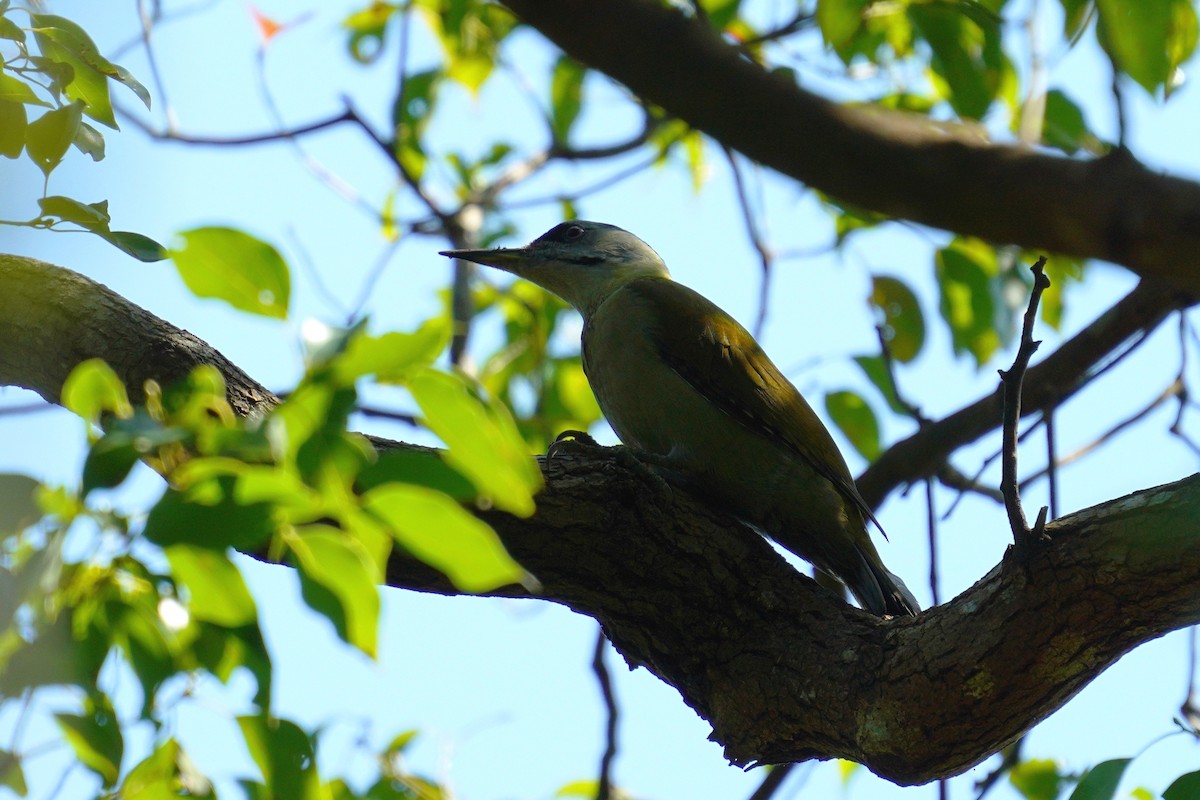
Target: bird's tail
[[881, 592]]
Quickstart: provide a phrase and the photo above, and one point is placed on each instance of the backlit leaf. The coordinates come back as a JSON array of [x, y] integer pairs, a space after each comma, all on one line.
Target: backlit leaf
[[218, 594], [904, 324], [48, 137], [339, 564], [856, 420], [566, 97], [484, 443], [18, 502], [437, 530], [1036, 779], [93, 389], [236, 267]]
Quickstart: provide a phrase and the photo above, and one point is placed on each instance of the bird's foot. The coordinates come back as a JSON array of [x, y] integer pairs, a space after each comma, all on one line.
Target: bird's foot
[[650, 466], [570, 440]]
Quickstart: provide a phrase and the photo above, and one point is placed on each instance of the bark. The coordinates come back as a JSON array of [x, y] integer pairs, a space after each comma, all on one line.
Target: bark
[[783, 669], [903, 165]]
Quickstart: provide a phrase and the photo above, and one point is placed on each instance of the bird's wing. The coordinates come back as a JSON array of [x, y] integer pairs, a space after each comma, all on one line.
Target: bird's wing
[[722, 361]]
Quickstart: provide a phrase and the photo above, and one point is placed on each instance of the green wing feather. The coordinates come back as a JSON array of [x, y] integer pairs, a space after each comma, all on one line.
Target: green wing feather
[[722, 361]]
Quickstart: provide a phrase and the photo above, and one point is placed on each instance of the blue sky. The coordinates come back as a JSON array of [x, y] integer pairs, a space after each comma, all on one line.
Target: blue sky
[[501, 690]]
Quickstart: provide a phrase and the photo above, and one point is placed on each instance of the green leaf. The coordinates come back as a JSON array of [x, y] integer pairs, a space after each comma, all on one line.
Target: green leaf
[[93, 389], [840, 22], [566, 97], [156, 777], [423, 468], [95, 736], [10, 30], [484, 443], [207, 515], [411, 111], [15, 90], [367, 28], [875, 368], [1100, 782], [340, 565], [56, 657], [109, 462], [18, 503], [143, 248], [393, 357], [217, 591], [89, 141], [14, 123], [1185, 787], [1149, 39], [11, 773], [285, 756], [856, 420], [904, 324], [236, 267], [967, 57], [441, 533], [48, 137], [1036, 779], [65, 42], [91, 216], [964, 271], [1064, 126], [1075, 14]]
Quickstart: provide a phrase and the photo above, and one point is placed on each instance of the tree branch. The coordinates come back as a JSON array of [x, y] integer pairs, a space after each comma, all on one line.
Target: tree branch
[[900, 164], [782, 669]]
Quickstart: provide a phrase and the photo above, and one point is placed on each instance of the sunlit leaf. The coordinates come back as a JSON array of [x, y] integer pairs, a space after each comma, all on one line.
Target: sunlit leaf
[[339, 564], [484, 443], [392, 357], [437, 530], [1148, 39], [284, 754], [856, 420], [236, 267], [217, 591], [566, 97], [904, 323], [64, 41], [14, 90], [13, 125], [12, 775], [367, 27], [93, 389], [840, 21], [92, 216], [48, 137], [1101, 781], [1036, 779], [965, 270]]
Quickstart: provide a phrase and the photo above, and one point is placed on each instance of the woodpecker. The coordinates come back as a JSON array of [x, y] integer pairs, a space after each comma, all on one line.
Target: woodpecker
[[681, 382]]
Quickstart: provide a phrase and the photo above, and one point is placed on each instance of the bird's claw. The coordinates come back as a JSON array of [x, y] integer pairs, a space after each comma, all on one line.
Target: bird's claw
[[567, 440]]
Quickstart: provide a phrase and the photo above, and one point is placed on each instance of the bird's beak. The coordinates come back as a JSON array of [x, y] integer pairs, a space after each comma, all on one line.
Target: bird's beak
[[508, 259]]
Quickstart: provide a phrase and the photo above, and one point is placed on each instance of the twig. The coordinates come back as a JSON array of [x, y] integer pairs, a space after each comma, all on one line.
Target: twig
[[797, 22], [756, 240], [1009, 758], [949, 476], [279, 135], [1051, 463], [1175, 389], [931, 522], [1011, 381], [775, 778], [889, 365], [1190, 710], [604, 782]]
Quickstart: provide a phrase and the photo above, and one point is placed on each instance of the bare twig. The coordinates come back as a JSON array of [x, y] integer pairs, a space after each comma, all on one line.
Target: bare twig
[[1011, 381], [931, 521], [775, 777], [1051, 463], [756, 240], [889, 364], [1009, 758], [604, 785]]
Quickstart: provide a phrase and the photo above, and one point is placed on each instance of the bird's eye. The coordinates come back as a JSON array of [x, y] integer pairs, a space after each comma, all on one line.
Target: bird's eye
[[572, 233]]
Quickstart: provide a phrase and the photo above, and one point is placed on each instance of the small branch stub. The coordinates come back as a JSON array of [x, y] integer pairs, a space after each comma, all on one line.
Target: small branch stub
[[1010, 381]]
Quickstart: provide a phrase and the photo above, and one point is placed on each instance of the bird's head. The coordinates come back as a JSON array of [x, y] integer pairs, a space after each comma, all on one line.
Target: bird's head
[[581, 262]]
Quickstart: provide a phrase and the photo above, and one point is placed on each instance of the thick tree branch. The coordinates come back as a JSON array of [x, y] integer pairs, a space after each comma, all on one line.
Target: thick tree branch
[[782, 669], [903, 165]]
